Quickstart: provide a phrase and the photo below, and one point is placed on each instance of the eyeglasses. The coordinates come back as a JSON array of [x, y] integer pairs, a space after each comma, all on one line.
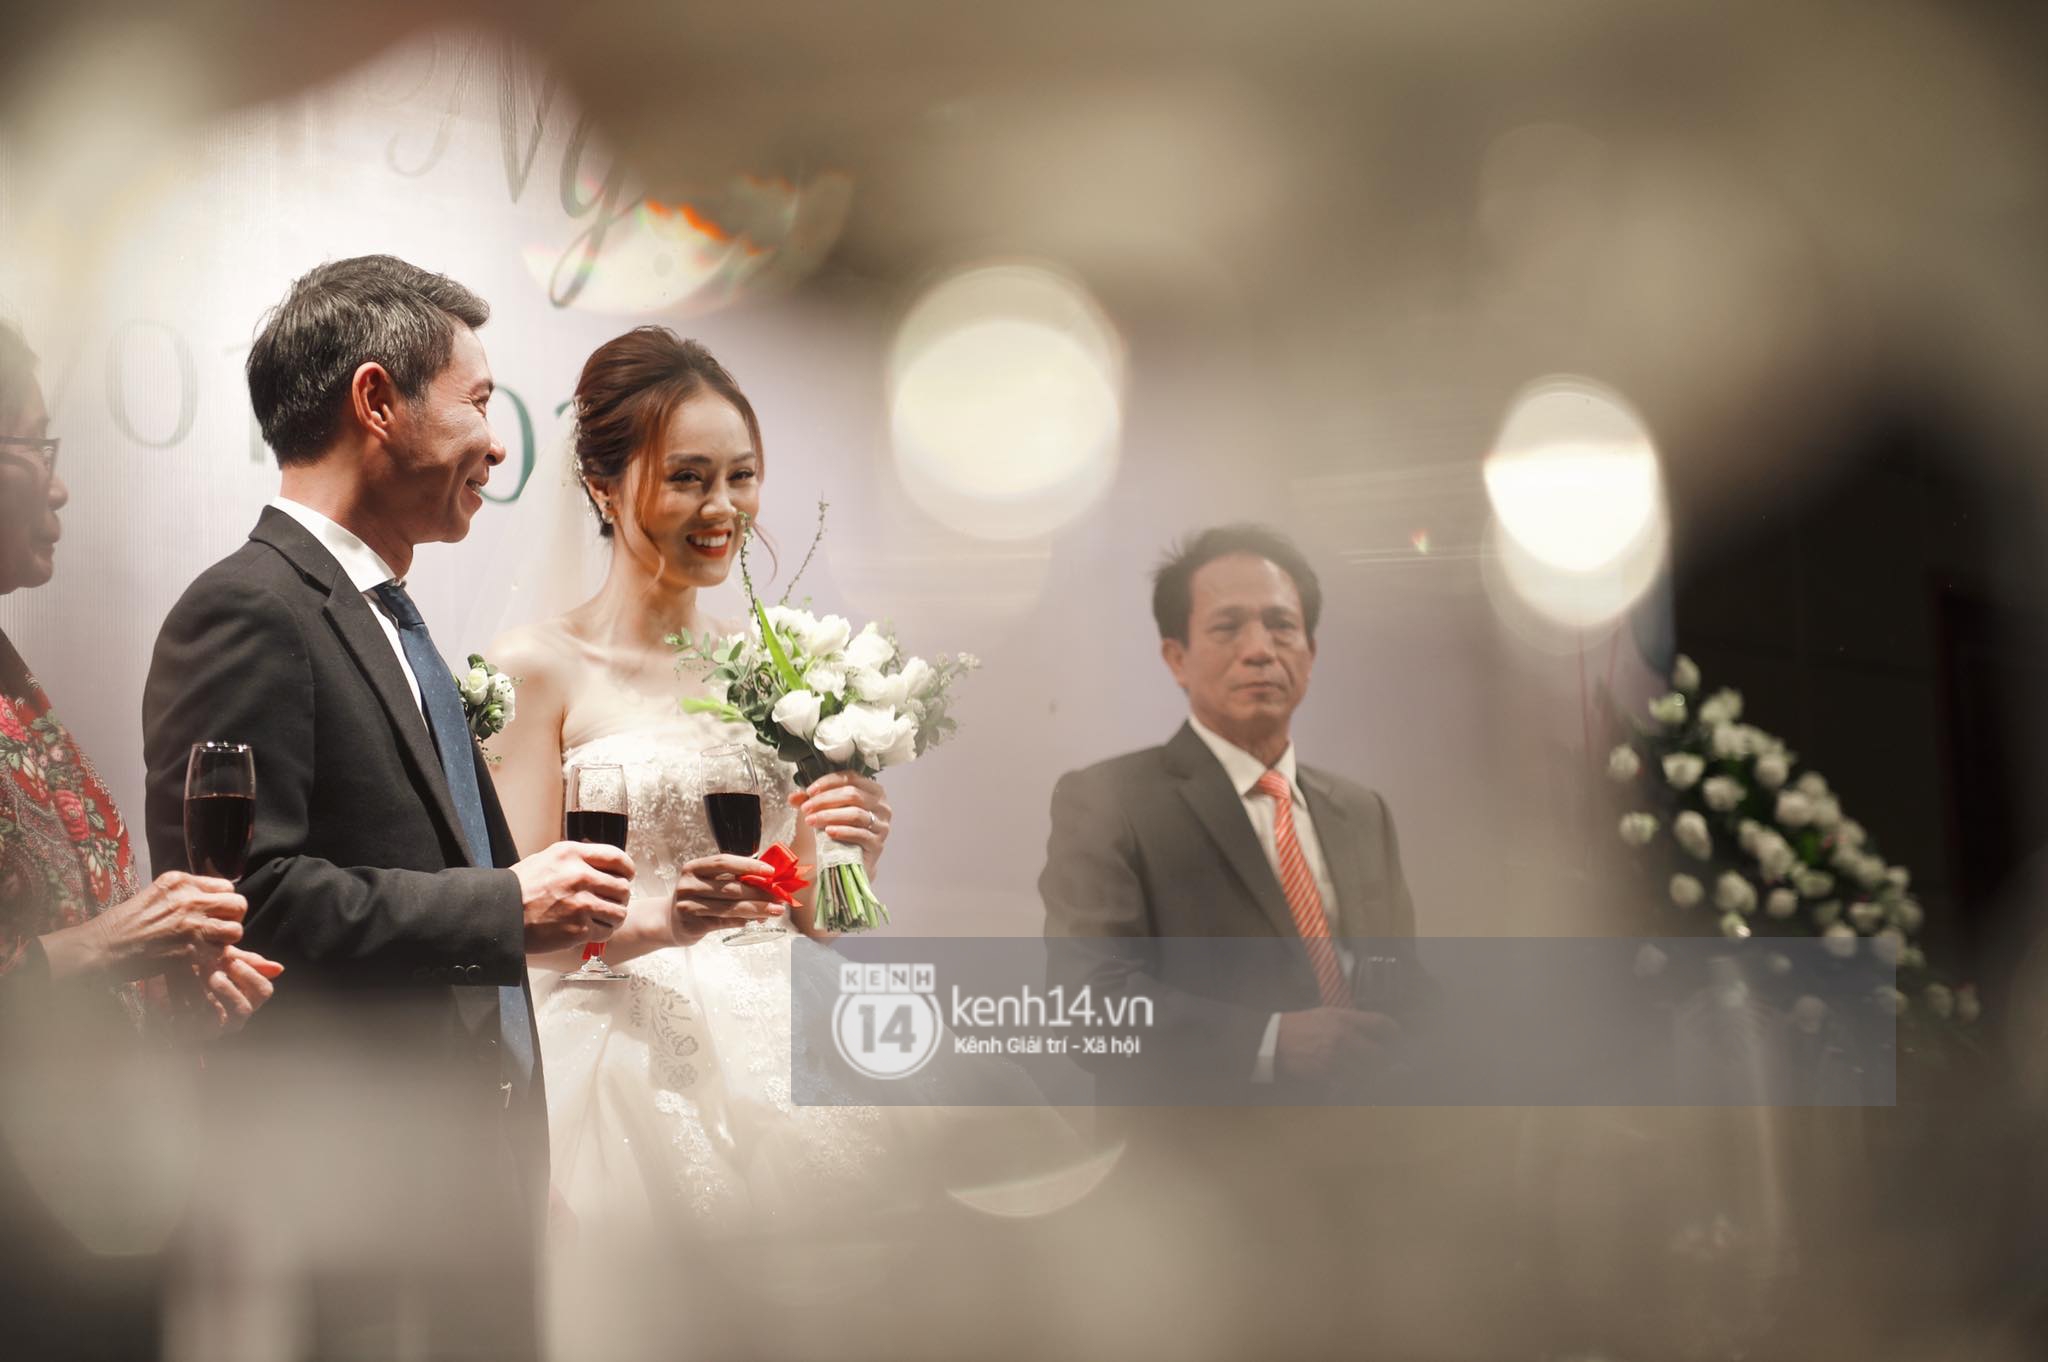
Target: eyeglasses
[[43, 449]]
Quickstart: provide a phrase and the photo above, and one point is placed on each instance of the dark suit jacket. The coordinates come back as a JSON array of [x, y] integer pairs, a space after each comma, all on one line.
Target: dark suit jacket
[[1153, 848], [385, 1022]]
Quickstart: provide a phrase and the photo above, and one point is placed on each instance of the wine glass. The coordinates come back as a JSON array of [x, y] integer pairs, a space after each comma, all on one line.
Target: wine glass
[[220, 808], [594, 810], [732, 807]]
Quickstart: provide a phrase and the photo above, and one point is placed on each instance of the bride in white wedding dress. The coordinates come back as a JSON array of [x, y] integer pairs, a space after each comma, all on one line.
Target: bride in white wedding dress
[[686, 1180]]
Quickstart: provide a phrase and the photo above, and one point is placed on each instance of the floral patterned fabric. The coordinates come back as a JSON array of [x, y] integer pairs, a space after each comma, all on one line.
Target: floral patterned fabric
[[64, 852]]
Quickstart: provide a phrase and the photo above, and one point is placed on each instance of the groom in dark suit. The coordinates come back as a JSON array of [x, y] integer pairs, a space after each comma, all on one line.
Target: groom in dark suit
[[1222, 833], [396, 1162]]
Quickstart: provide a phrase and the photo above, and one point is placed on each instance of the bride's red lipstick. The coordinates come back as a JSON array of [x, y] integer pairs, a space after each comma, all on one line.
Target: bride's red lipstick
[[718, 552]]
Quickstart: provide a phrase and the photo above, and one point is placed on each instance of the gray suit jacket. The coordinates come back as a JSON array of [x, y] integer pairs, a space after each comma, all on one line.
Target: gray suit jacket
[[1153, 848]]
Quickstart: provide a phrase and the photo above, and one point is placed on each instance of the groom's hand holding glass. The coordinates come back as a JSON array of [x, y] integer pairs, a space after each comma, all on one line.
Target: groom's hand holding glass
[[573, 893]]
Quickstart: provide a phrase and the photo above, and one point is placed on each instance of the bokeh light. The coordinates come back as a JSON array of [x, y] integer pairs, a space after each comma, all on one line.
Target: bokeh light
[[1579, 523], [1006, 401]]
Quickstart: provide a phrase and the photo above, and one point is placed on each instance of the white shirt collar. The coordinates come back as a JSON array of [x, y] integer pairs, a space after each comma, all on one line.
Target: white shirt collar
[[1242, 767], [366, 569]]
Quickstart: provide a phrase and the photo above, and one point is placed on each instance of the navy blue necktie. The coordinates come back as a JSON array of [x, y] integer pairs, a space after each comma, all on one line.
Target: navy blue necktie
[[458, 762]]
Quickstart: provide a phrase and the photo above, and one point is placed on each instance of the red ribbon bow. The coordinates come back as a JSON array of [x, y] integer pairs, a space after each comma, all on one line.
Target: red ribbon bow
[[786, 880]]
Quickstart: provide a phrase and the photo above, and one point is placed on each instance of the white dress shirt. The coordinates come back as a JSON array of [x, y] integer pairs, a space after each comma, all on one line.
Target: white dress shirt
[[366, 572], [1244, 771]]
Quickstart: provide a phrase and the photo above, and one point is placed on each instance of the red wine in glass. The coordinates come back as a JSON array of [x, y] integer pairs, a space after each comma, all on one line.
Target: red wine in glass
[[735, 819], [220, 808], [218, 830], [594, 810], [733, 785], [595, 825]]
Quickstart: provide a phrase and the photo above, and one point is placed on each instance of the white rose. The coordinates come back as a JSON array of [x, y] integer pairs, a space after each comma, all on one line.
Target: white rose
[[1967, 1007], [1686, 891], [1907, 916], [1623, 763], [1813, 785], [1887, 945], [1845, 859], [1690, 830], [890, 692], [1900, 877], [877, 731], [1668, 710], [1891, 1000], [1774, 855], [1827, 813], [1939, 999], [798, 712], [870, 649], [826, 679], [1868, 871], [1731, 741], [1781, 903], [1912, 958], [791, 623], [1865, 915], [824, 637], [902, 744], [1683, 770], [1723, 707], [1734, 893], [502, 689], [1839, 940], [1814, 884], [1721, 793], [1850, 834], [475, 685], [1795, 810], [1772, 770], [1732, 925], [1685, 674], [919, 677], [834, 737], [1638, 828], [1827, 914]]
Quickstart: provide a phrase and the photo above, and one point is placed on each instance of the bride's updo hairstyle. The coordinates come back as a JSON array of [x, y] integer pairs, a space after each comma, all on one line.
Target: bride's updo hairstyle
[[630, 389]]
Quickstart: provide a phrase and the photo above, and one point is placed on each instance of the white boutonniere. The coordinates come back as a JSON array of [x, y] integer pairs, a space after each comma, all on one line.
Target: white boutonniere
[[488, 697]]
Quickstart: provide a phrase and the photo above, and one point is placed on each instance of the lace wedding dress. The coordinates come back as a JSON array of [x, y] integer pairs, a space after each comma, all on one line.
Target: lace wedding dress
[[694, 1181]]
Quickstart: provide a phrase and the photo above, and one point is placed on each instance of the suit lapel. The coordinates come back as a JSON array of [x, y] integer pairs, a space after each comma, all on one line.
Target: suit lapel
[[356, 626], [1343, 843], [1208, 792]]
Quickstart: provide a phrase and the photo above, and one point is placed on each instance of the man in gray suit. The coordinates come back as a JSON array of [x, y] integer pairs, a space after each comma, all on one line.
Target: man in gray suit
[[1222, 833]]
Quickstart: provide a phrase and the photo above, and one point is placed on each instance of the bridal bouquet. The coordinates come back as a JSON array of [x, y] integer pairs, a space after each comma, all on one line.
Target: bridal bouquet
[[1767, 848], [827, 698]]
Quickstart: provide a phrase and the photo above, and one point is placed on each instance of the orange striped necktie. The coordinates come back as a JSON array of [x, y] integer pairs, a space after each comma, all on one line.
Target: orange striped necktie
[[1303, 900]]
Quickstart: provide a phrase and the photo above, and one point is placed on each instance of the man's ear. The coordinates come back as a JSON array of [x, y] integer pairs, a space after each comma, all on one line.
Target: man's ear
[[1175, 654], [373, 399]]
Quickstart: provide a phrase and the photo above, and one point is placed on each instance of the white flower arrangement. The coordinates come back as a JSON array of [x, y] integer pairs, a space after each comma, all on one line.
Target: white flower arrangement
[[1780, 852], [489, 698]]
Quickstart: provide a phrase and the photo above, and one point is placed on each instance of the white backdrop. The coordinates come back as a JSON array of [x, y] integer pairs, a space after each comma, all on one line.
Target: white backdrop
[[142, 296]]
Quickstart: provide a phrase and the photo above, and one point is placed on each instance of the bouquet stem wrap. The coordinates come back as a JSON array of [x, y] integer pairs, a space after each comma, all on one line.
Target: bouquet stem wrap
[[845, 901]]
